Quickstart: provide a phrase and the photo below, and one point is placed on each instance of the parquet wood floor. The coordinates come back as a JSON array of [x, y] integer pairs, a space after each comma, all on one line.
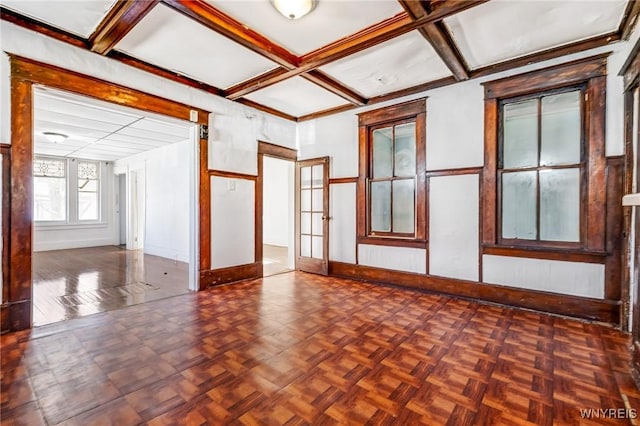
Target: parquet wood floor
[[275, 260], [79, 282], [303, 349]]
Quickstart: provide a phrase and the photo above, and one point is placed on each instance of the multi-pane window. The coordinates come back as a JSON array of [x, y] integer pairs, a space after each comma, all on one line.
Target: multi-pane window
[[545, 181], [50, 189], [393, 180], [88, 195], [541, 167], [66, 190], [391, 183]]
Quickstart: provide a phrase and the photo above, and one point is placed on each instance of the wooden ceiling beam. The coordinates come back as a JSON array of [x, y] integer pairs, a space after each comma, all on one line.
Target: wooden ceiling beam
[[335, 87], [264, 108], [438, 36], [42, 28], [212, 18], [629, 19], [256, 83], [120, 19]]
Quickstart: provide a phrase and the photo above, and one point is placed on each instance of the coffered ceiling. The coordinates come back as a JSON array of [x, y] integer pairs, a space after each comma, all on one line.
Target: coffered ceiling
[[344, 54]]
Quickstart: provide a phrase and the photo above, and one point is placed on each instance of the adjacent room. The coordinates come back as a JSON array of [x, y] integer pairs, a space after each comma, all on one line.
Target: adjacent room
[[393, 212], [111, 197]]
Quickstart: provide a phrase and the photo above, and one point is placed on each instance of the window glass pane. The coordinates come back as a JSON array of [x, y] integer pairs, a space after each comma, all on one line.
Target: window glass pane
[[305, 177], [316, 247], [49, 198], [560, 205], [519, 205], [520, 134], [305, 199], [381, 206], [88, 206], [560, 128], [305, 246], [317, 174], [403, 206], [405, 150], [317, 202], [317, 224], [50, 167], [85, 185], [382, 153], [305, 223], [87, 170]]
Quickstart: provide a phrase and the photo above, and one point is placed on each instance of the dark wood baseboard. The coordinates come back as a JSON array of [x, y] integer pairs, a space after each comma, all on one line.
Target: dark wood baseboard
[[579, 307], [15, 316], [231, 274]]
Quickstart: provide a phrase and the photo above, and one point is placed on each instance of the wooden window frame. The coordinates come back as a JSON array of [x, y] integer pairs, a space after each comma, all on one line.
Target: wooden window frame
[[588, 72], [412, 111]]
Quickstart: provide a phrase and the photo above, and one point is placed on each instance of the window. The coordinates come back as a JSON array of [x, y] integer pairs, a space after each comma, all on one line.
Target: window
[[88, 197], [66, 190], [50, 189], [544, 171], [391, 185], [541, 167]]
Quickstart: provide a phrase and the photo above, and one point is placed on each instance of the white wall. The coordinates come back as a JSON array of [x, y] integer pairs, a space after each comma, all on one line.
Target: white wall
[[63, 236], [166, 199], [277, 213], [232, 222], [454, 140]]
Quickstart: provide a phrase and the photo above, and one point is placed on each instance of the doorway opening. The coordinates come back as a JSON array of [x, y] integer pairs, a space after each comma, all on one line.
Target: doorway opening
[[278, 221], [112, 223]]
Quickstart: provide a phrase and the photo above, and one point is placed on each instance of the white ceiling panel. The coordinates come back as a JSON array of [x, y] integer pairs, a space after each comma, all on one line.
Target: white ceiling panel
[[80, 17], [500, 30], [296, 97], [99, 130], [173, 41], [331, 20], [403, 62]]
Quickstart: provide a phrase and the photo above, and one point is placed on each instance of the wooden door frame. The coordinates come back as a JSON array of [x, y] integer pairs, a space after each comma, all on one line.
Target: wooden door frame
[[16, 308], [274, 151]]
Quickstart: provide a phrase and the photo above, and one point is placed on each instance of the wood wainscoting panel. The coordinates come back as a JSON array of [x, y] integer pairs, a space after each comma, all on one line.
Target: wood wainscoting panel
[[229, 275], [573, 306]]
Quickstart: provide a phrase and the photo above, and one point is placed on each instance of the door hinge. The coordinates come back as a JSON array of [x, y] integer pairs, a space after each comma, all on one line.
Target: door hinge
[[204, 131]]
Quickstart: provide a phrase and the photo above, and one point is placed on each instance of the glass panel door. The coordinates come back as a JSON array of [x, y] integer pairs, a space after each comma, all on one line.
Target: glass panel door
[[312, 215]]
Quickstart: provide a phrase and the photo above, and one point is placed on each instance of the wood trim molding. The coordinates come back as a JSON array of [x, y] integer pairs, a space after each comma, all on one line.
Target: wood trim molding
[[232, 175], [631, 68], [579, 307], [335, 181], [5, 150], [398, 111], [59, 78], [232, 274], [546, 253], [266, 109], [24, 74], [454, 172], [42, 28], [277, 151], [629, 19], [564, 74], [119, 21], [256, 83]]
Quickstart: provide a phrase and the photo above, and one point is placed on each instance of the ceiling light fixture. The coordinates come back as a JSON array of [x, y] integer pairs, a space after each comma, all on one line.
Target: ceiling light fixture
[[55, 137], [294, 9]]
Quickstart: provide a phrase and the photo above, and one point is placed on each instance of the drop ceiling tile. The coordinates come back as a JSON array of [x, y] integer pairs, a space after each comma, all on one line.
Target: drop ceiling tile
[[50, 105], [331, 20], [501, 30], [150, 124], [79, 17], [150, 135], [296, 96], [402, 62], [171, 40]]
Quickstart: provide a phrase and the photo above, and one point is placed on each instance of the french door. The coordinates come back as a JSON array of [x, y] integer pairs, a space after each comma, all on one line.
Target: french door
[[312, 215]]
